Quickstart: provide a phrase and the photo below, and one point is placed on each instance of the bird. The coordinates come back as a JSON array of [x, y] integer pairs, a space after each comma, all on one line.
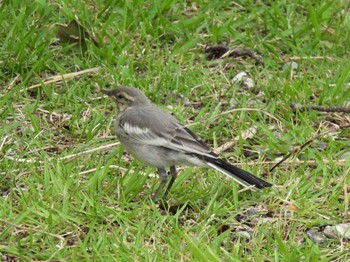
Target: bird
[[156, 138]]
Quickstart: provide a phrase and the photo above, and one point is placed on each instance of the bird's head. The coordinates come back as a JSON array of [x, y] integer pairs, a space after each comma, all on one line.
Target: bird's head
[[127, 97]]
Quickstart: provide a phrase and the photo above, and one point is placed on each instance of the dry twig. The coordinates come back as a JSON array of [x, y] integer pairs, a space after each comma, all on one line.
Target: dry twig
[[221, 51], [246, 134], [299, 148], [58, 78], [343, 109], [69, 157]]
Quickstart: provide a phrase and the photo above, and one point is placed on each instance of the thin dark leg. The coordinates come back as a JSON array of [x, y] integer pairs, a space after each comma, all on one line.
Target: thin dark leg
[[173, 174], [163, 178]]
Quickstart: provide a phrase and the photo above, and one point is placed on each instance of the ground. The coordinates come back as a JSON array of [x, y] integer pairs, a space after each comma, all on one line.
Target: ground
[[68, 191]]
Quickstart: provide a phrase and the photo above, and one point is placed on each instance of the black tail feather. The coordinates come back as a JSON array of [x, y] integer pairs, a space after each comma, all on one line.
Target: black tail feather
[[241, 176]]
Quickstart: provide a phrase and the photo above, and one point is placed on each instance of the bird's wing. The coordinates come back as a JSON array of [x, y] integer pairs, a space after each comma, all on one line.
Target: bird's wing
[[152, 126]]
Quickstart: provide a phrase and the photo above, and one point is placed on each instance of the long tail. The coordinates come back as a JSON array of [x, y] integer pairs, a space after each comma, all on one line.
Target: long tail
[[239, 175]]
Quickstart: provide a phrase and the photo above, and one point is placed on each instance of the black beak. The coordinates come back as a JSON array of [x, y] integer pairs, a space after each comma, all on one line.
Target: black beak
[[107, 92]]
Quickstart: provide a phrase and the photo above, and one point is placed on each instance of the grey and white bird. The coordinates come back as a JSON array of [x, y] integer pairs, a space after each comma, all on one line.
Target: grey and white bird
[[156, 138]]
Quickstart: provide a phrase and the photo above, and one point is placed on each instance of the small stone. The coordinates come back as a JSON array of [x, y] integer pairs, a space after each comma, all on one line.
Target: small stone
[[244, 234], [261, 95], [315, 236], [321, 145], [248, 83], [178, 98], [291, 148], [251, 103], [277, 134], [233, 102], [186, 101], [175, 98], [264, 220], [245, 81], [251, 212], [277, 159], [330, 232], [344, 156], [290, 66], [241, 232], [239, 77], [272, 126], [338, 231]]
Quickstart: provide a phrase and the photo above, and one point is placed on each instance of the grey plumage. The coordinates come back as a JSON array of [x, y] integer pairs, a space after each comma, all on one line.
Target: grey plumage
[[157, 139]]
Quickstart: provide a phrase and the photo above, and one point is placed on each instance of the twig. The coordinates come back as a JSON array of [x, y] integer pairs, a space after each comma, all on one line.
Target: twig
[[332, 85], [221, 51], [340, 162], [299, 148], [88, 151], [3, 142], [346, 197], [295, 107], [13, 83], [57, 78], [249, 188], [313, 57], [247, 53], [69, 157], [23, 160], [95, 168], [246, 134]]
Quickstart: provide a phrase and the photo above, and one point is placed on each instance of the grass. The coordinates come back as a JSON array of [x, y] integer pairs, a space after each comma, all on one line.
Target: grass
[[59, 204]]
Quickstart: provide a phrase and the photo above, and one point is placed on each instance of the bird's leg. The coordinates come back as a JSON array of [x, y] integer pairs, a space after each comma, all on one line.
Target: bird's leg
[[163, 178], [173, 174]]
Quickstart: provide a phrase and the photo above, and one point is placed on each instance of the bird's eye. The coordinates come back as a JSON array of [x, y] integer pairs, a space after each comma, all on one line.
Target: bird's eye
[[120, 96]]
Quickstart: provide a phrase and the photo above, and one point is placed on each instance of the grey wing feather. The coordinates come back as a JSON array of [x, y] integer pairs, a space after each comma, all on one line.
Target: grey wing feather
[[162, 130]]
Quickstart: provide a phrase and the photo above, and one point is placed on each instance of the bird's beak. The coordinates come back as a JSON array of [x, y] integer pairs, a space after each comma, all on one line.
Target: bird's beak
[[107, 92]]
